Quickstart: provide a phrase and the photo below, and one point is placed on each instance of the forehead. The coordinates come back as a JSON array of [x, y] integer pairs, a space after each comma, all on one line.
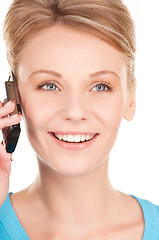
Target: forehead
[[70, 51]]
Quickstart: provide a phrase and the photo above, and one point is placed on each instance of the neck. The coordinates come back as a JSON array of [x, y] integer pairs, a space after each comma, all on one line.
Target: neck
[[81, 201]]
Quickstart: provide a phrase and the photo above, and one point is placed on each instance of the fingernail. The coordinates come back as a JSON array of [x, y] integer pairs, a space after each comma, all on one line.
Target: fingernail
[[9, 103], [16, 115], [10, 156]]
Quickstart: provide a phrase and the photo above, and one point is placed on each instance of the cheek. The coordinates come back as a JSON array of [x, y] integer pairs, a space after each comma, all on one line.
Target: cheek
[[110, 110], [38, 110]]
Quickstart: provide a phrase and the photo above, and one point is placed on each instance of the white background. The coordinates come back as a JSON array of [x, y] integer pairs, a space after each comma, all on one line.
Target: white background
[[134, 161]]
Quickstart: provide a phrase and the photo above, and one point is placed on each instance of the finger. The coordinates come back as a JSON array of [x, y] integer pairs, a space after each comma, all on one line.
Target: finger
[[4, 102], [9, 155], [7, 109], [5, 169], [5, 160], [9, 121]]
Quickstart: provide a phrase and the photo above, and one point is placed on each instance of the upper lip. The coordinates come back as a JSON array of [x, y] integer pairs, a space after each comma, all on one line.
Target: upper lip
[[74, 133]]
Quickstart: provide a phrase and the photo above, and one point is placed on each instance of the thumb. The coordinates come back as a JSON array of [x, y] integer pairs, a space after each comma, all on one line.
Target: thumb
[[5, 160]]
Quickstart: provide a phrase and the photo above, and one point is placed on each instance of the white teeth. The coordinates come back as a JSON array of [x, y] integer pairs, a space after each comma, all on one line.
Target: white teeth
[[60, 137], [74, 138], [83, 138], [70, 138], [87, 137], [64, 137]]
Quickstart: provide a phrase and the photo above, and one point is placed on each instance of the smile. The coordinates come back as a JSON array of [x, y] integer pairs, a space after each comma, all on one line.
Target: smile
[[73, 141], [73, 138]]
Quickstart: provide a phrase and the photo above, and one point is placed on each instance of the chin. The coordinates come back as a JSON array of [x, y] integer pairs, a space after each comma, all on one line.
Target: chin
[[67, 168]]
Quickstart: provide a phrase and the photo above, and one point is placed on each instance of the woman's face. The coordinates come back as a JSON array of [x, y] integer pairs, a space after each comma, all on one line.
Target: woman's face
[[72, 83]]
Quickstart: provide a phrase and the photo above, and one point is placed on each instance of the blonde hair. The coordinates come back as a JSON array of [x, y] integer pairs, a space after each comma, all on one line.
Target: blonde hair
[[109, 20]]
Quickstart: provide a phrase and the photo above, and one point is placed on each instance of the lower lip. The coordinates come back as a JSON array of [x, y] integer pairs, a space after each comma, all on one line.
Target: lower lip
[[73, 146]]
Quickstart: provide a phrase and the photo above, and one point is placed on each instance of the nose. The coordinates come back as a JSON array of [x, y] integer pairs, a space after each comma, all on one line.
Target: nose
[[75, 108]]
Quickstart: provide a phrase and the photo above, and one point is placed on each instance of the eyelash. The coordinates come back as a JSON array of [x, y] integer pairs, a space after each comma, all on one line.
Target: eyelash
[[107, 85]]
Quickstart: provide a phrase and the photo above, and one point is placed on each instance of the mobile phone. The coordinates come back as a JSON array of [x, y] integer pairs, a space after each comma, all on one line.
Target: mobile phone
[[11, 133]]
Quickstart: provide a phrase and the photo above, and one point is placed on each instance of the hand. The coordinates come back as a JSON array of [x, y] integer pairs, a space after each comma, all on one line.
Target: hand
[[5, 158]]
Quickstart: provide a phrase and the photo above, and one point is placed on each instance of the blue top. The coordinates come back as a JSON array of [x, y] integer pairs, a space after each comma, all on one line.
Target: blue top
[[11, 229]]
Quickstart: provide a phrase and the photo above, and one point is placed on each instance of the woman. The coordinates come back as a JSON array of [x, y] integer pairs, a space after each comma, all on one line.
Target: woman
[[73, 61]]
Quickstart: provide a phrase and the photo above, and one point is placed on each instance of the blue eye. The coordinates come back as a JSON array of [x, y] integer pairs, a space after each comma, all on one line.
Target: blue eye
[[49, 87], [102, 87]]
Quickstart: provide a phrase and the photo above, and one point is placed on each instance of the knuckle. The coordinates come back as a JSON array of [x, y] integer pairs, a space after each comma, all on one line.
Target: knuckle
[[6, 123]]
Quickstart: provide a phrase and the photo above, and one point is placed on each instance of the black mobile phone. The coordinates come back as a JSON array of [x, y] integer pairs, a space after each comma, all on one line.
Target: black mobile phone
[[11, 134]]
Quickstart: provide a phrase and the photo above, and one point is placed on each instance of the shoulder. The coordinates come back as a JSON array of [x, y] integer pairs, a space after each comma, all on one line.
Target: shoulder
[[5, 208], [10, 227], [5, 214], [148, 207], [151, 217]]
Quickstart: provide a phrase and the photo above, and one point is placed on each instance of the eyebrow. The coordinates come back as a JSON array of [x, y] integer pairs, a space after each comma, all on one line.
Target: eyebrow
[[56, 74]]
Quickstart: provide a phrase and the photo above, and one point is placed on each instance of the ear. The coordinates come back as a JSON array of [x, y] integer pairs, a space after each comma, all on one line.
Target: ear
[[130, 107]]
